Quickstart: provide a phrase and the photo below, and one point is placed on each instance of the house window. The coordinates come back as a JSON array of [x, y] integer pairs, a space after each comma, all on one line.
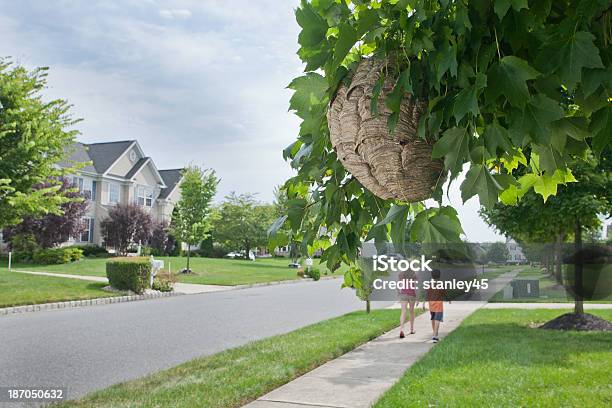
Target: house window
[[144, 196], [114, 193], [86, 186], [86, 234]]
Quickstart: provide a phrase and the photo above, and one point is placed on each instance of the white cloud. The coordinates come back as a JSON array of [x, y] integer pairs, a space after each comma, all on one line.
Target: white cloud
[[175, 13]]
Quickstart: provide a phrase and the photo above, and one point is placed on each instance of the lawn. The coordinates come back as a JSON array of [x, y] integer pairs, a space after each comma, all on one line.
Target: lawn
[[236, 376], [550, 290], [206, 270], [21, 289], [495, 358]]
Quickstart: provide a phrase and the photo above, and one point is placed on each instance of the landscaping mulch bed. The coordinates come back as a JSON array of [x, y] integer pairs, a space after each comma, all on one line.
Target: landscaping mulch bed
[[581, 322]]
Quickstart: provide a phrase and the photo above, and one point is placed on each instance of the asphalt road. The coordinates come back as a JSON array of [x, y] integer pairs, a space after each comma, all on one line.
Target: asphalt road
[[88, 348]]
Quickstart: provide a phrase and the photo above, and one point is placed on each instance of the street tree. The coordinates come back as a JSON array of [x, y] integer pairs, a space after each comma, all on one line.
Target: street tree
[[34, 135], [243, 222], [576, 207], [497, 252], [191, 218]]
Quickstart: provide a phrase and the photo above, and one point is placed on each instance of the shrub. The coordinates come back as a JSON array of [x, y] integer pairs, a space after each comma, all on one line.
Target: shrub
[[163, 283], [23, 247], [57, 255], [92, 250], [131, 273], [314, 273], [301, 272]]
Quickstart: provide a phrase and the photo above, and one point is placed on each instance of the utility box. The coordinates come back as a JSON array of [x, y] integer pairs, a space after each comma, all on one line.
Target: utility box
[[526, 288], [508, 293]]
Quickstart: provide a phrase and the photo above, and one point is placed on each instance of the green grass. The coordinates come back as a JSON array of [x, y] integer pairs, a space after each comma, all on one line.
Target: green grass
[[206, 270], [236, 376], [550, 290], [496, 359], [22, 289]]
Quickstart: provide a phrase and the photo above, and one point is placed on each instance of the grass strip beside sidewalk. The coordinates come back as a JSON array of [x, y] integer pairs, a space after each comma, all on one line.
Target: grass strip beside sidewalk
[[234, 377], [17, 289], [499, 358]]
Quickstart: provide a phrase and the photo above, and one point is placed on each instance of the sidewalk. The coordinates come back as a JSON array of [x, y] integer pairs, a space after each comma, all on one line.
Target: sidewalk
[[358, 378]]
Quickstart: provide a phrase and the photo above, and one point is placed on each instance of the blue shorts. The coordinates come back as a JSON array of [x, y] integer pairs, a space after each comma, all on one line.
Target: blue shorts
[[437, 316]]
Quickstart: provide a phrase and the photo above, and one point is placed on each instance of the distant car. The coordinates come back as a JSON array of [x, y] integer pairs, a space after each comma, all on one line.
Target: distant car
[[294, 265], [240, 255]]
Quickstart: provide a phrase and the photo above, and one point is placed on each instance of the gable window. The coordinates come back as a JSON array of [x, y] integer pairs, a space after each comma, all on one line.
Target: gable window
[[86, 234], [144, 196], [86, 186], [114, 193]]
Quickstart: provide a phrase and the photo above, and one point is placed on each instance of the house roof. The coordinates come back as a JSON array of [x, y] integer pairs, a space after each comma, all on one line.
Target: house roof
[[78, 154], [171, 178], [104, 155], [139, 165]]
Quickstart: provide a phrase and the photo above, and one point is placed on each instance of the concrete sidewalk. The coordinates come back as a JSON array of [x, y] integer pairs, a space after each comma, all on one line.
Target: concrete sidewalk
[[358, 378], [179, 288]]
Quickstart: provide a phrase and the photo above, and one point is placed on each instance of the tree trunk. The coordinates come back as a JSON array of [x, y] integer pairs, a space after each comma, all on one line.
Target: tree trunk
[[578, 306], [367, 306], [188, 256], [558, 245]]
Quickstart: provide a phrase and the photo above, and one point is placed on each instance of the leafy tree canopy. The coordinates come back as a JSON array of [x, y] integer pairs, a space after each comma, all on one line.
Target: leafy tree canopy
[[532, 220], [191, 218], [126, 225], [242, 222], [512, 88], [34, 135], [51, 229]]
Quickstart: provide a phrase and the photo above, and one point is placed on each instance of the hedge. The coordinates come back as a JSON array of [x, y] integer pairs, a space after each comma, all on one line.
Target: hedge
[[129, 273], [57, 255]]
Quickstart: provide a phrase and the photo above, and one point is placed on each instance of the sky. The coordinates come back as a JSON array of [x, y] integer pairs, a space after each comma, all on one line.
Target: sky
[[195, 82]]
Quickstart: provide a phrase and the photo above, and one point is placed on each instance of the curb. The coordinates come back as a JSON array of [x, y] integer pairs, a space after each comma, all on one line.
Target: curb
[[282, 282], [86, 302]]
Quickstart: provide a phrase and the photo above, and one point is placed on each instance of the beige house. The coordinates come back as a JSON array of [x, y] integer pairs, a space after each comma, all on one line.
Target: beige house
[[120, 173]]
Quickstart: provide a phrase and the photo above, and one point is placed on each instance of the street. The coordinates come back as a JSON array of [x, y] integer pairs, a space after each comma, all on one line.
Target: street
[[88, 348]]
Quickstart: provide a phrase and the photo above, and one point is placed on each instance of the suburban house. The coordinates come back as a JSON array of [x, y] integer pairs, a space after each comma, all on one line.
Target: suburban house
[[515, 252], [119, 173]]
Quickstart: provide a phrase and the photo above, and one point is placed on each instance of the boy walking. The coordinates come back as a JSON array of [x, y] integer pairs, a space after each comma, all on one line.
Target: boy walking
[[436, 305]]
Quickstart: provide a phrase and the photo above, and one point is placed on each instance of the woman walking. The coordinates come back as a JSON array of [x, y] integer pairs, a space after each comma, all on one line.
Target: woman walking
[[408, 300]]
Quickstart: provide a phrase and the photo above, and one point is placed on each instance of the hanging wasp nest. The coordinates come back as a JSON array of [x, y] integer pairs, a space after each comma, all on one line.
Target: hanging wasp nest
[[394, 165]]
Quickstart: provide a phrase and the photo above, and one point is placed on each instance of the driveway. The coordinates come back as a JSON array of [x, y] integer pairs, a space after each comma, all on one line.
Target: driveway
[[85, 349]]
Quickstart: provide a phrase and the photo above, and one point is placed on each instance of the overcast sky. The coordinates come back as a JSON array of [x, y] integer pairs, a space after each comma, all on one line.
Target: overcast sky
[[198, 82]]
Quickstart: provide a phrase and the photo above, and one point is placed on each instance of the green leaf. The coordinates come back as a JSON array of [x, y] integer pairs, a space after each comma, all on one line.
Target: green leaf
[[309, 89], [465, 102], [295, 212], [509, 78], [502, 6], [368, 19], [453, 146], [568, 55], [538, 115], [550, 159], [439, 228], [445, 60], [313, 25], [347, 37], [479, 180], [546, 186], [601, 128], [276, 225], [496, 136]]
